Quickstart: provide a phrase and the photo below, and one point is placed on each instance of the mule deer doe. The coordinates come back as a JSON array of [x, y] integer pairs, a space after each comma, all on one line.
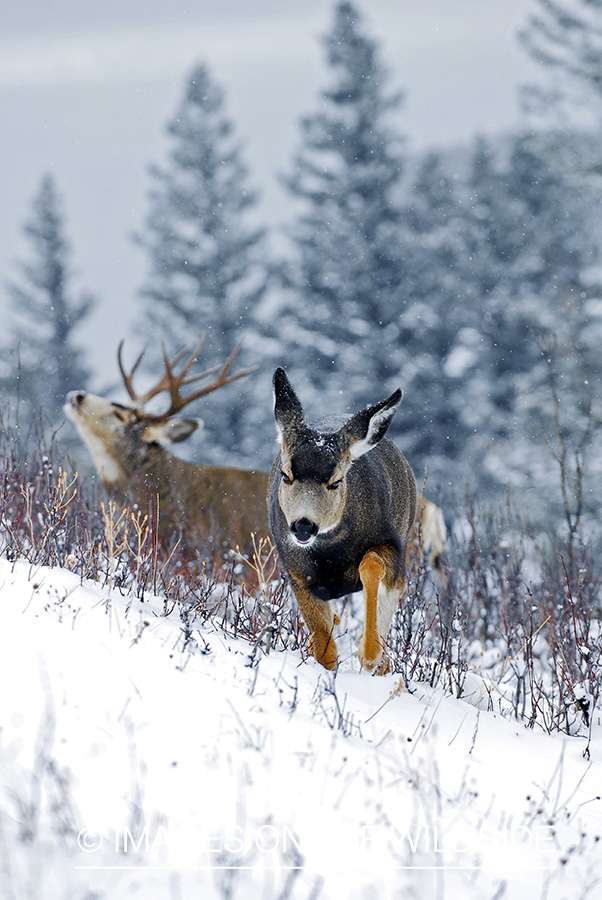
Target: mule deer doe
[[215, 506], [342, 503]]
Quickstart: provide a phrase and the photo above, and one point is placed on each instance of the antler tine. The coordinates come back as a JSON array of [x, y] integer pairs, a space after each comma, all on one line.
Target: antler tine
[[128, 379], [169, 381], [164, 383], [189, 362], [173, 383], [212, 369], [222, 379]]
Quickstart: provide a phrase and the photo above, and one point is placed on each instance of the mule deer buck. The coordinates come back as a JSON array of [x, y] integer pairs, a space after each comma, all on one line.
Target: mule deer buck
[[342, 503], [218, 507]]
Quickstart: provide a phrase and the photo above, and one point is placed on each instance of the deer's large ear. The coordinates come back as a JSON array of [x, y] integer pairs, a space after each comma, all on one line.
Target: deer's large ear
[[366, 428], [172, 431], [288, 411]]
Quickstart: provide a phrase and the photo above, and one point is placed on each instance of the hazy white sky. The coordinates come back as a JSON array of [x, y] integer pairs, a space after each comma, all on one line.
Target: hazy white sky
[[86, 90]]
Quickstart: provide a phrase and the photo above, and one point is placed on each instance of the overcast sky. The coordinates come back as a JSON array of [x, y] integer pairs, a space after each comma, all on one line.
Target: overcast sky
[[86, 90]]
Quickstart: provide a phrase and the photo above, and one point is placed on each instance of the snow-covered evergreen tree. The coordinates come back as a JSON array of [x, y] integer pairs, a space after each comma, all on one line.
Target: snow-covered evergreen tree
[[45, 361], [206, 270], [566, 37], [431, 318], [349, 259], [207, 260], [565, 111], [531, 248]]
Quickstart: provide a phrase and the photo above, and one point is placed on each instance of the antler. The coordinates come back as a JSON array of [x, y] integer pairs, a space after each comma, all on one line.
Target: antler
[[172, 382]]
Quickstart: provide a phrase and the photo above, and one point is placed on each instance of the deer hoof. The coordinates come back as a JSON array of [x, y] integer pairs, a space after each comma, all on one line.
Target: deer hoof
[[369, 653], [372, 657], [384, 666], [327, 655]]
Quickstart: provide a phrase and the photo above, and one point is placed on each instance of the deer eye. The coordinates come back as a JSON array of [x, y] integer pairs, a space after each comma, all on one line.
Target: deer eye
[[335, 485], [120, 411], [286, 478]]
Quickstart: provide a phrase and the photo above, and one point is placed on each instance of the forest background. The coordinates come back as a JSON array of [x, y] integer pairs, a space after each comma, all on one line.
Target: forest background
[[469, 276]]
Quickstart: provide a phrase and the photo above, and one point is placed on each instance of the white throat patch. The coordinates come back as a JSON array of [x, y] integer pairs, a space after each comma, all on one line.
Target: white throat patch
[[106, 466]]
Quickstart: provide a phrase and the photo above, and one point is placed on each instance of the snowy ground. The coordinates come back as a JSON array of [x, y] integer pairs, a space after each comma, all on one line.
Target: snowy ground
[[136, 763]]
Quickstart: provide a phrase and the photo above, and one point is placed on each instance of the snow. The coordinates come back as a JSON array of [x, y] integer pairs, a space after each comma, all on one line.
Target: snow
[[135, 760]]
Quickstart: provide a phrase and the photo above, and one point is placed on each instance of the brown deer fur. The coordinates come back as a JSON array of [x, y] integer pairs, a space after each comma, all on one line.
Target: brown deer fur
[[213, 508]]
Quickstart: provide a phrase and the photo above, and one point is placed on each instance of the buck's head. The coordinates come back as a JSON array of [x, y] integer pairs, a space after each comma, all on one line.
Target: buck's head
[[119, 436], [315, 460]]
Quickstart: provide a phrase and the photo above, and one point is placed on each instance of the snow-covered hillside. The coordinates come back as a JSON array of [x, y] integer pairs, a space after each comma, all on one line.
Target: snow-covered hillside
[[137, 760]]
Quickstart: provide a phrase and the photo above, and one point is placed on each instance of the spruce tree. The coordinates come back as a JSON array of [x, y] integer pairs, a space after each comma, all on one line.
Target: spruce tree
[[566, 37], [565, 111], [530, 246], [208, 271], [348, 263], [433, 315], [45, 315]]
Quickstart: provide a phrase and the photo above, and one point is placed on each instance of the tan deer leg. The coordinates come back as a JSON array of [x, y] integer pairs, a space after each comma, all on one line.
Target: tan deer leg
[[320, 619], [381, 602]]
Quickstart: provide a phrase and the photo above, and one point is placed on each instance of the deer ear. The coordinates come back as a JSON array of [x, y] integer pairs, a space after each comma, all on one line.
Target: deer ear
[[366, 428], [288, 411], [172, 431]]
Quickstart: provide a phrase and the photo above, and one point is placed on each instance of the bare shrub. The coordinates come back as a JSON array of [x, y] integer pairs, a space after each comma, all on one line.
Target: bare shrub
[[521, 613]]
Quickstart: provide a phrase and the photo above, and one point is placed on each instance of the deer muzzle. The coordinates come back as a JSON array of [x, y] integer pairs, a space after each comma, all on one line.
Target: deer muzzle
[[75, 398], [304, 530]]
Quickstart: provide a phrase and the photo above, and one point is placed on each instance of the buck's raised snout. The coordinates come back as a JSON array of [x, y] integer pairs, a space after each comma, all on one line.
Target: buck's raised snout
[[304, 530], [75, 398]]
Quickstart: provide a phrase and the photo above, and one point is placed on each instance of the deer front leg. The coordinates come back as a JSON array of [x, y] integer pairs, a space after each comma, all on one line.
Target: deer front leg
[[320, 619], [381, 602]]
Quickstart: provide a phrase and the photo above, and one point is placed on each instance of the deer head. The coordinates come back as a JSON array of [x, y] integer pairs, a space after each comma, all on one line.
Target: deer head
[[313, 490], [120, 436]]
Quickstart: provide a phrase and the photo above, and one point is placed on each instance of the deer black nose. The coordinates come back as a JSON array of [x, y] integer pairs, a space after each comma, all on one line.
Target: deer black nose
[[304, 530], [75, 398]]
